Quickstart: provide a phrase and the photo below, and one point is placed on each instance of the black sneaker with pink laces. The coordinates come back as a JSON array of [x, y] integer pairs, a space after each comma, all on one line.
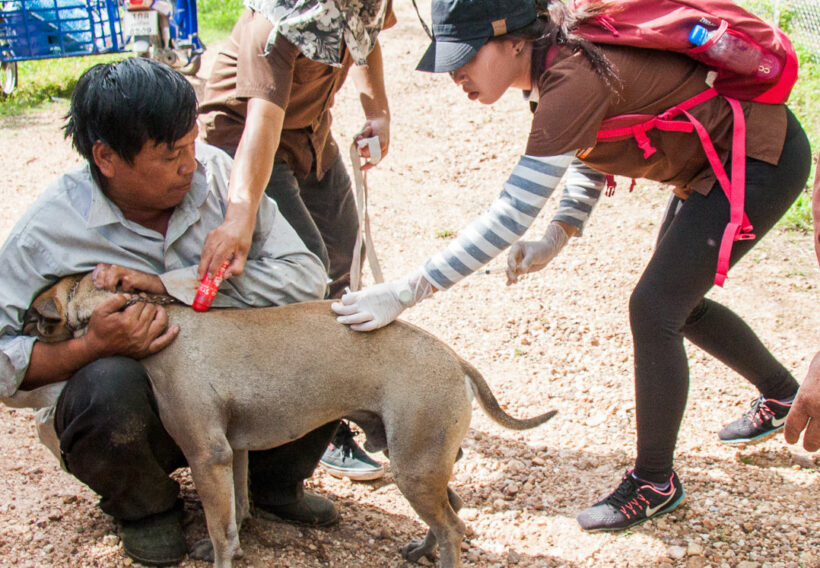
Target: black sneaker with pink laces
[[763, 420], [633, 502]]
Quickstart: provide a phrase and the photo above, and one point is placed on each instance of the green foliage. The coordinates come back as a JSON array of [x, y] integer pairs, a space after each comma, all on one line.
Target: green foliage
[[217, 17], [803, 102], [788, 18], [761, 8], [799, 216]]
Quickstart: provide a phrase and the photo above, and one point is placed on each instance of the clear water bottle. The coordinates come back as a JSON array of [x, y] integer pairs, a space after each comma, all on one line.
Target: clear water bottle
[[737, 54]]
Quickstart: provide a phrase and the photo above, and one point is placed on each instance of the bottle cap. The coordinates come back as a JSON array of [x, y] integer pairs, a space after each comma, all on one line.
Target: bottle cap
[[699, 35]]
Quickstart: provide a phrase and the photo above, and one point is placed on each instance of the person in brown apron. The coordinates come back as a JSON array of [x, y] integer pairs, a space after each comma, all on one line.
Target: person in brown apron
[[267, 103]]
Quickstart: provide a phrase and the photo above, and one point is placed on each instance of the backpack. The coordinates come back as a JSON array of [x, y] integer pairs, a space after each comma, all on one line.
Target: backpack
[[666, 25]]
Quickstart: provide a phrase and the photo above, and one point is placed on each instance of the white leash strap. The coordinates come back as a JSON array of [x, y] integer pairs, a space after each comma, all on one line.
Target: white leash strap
[[369, 249]]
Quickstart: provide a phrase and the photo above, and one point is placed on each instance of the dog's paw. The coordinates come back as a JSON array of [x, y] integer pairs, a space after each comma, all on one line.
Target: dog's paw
[[202, 550], [415, 550]]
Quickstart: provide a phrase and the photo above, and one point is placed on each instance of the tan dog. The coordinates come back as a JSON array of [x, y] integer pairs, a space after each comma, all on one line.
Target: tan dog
[[236, 380]]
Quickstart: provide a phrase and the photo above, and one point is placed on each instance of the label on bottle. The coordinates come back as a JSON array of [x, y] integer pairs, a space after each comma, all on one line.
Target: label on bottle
[[206, 291], [768, 67]]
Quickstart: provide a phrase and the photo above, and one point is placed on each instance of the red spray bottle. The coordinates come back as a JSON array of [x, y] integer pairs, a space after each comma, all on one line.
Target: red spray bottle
[[206, 291]]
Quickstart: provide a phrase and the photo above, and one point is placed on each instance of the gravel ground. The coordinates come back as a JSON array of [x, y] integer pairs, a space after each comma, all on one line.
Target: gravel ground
[[559, 339]]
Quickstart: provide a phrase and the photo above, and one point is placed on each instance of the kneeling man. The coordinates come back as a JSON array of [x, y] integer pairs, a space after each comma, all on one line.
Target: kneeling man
[[139, 211]]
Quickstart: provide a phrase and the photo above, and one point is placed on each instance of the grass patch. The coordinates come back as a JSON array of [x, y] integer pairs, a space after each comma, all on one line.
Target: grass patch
[[40, 81], [798, 217], [217, 17]]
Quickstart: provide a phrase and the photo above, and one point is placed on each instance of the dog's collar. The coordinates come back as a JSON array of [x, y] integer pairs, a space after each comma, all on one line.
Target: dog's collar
[[80, 324], [160, 299]]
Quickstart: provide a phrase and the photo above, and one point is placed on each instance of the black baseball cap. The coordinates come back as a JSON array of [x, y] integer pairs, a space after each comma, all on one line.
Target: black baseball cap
[[461, 27]]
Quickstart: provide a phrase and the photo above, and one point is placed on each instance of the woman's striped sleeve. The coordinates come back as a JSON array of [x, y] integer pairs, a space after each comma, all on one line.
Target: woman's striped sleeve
[[582, 190], [526, 191]]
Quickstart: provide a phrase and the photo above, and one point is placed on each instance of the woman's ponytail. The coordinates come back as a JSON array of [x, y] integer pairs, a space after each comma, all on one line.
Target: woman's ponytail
[[555, 25]]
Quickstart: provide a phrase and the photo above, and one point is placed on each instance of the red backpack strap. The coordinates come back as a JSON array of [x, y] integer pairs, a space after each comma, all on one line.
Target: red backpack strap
[[641, 123], [611, 185], [739, 227]]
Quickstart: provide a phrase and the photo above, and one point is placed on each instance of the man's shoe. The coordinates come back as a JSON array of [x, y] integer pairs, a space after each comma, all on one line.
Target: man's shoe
[[344, 458], [634, 502], [310, 510], [763, 420], [157, 540]]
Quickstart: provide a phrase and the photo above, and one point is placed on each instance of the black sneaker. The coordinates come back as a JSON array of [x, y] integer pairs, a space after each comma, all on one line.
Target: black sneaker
[[311, 509], [157, 540], [344, 458], [763, 420], [632, 503]]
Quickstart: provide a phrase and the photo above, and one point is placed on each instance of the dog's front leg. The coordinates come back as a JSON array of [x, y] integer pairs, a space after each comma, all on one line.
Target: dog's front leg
[[212, 472]]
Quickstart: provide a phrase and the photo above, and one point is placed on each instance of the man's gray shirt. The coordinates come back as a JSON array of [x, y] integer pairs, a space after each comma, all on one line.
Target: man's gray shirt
[[73, 226]]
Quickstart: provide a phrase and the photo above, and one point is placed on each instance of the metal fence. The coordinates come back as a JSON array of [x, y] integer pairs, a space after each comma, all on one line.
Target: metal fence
[[799, 18]]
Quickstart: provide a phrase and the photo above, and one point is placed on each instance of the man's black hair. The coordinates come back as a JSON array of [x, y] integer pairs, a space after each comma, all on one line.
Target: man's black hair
[[127, 103]]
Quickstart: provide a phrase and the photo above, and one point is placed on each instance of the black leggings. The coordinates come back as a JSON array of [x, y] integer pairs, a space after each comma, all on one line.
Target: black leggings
[[668, 303]]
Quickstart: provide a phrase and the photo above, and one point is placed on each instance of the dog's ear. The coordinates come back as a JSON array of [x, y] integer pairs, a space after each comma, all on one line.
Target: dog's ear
[[45, 318], [48, 309]]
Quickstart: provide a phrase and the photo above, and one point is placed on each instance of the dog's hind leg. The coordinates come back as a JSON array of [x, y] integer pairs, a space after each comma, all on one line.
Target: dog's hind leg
[[415, 550], [240, 481], [455, 501], [432, 503], [418, 548], [212, 467], [423, 479]]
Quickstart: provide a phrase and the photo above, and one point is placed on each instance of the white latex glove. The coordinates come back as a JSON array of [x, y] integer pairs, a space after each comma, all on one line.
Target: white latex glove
[[378, 305], [531, 256]]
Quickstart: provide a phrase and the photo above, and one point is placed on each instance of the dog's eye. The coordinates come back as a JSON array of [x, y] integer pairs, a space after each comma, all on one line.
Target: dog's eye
[[47, 329]]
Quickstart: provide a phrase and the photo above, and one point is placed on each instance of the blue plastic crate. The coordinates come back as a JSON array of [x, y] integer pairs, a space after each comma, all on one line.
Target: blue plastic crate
[[33, 29]]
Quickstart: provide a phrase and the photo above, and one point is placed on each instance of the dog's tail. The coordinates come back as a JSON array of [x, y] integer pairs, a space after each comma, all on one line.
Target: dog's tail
[[489, 403]]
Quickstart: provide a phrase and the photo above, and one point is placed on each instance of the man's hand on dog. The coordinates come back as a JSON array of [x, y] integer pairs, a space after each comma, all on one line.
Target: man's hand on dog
[[137, 331], [112, 277]]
